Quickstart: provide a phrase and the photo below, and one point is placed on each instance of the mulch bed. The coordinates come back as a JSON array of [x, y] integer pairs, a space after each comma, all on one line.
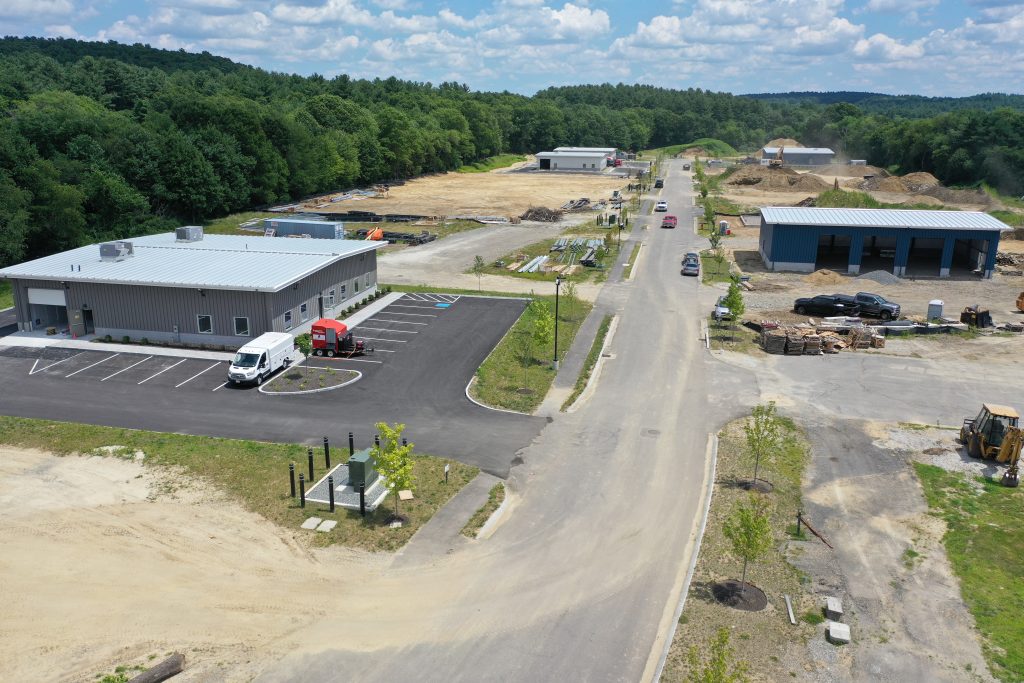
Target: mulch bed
[[742, 596]]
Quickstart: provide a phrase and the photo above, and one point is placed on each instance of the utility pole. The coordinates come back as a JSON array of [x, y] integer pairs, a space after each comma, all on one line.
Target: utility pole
[[558, 284]]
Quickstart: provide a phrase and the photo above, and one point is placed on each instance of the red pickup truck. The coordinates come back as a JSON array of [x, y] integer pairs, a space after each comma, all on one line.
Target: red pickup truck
[[669, 221]]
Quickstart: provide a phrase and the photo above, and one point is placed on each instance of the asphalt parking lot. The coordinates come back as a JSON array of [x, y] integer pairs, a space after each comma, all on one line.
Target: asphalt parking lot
[[427, 349]]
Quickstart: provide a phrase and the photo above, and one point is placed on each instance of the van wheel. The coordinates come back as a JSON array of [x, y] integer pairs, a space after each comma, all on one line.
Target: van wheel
[[259, 379]]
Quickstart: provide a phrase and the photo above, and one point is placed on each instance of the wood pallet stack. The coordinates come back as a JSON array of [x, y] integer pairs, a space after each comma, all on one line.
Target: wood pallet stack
[[860, 339], [794, 343], [773, 341], [812, 345]]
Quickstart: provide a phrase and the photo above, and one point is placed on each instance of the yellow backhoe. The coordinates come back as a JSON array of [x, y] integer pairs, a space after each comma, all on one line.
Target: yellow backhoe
[[995, 435]]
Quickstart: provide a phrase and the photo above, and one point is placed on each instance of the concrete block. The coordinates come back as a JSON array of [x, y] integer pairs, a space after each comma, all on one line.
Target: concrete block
[[311, 523], [327, 525], [838, 634], [833, 608]]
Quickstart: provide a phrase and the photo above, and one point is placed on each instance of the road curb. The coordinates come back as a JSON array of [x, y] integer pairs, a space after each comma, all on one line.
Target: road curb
[[263, 386], [484, 405], [591, 385], [636, 262], [492, 522], [712, 449]]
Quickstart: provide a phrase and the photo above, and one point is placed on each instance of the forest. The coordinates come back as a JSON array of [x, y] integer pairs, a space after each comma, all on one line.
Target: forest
[[103, 140]]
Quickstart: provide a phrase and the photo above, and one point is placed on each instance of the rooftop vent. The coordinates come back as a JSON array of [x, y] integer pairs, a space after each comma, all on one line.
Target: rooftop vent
[[116, 251], [189, 233]]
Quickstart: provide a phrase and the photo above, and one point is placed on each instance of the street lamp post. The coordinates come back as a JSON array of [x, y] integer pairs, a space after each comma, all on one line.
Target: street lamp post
[[558, 284]]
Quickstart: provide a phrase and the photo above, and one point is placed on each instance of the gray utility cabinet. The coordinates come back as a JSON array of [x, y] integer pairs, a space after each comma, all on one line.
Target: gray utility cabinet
[[360, 469]]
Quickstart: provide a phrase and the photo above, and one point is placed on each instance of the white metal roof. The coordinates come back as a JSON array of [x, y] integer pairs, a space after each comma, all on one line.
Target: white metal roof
[[800, 150], [606, 150], [578, 154], [236, 262], [883, 218]]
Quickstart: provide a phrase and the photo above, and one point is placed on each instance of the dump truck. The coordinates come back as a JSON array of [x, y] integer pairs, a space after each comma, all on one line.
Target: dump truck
[[332, 338], [995, 435]]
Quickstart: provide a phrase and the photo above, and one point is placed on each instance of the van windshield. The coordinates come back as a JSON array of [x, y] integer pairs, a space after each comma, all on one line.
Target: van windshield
[[245, 360]]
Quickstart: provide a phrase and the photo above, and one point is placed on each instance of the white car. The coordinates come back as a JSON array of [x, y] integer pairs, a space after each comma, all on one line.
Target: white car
[[721, 311], [661, 206]]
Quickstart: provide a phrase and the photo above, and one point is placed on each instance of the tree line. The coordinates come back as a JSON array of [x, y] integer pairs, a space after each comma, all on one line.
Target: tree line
[[102, 141]]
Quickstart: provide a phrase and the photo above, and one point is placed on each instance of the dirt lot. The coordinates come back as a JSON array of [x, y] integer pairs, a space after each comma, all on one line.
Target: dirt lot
[[107, 563], [497, 193]]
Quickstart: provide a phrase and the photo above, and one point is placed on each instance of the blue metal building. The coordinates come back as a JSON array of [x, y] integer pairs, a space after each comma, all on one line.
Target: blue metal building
[[905, 242]]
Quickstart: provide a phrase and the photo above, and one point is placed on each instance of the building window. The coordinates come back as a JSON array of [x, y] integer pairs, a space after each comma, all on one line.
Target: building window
[[287, 320], [205, 324], [343, 288], [241, 327], [330, 298], [355, 286], [304, 312]]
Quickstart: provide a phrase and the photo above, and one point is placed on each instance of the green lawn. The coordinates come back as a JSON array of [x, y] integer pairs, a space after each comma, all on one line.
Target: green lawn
[[1011, 218], [849, 199], [6, 295], [589, 363], [983, 539], [491, 163], [517, 374], [229, 224], [632, 261], [495, 497], [255, 474], [713, 270]]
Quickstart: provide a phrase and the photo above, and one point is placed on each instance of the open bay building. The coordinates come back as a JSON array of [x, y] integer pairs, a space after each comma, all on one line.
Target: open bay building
[[189, 288], [905, 242]]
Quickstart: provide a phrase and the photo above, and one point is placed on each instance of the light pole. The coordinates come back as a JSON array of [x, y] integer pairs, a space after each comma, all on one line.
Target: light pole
[[558, 284]]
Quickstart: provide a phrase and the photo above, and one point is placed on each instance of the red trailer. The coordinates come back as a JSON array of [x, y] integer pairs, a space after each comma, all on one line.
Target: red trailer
[[331, 338]]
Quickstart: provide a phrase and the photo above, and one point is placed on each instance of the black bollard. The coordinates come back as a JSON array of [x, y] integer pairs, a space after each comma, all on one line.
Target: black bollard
[[351, 445], [309, 456], [327, 453], [291, 476], [362, 500], [376, 440], [330, 488], [302, 490], [405, 442]]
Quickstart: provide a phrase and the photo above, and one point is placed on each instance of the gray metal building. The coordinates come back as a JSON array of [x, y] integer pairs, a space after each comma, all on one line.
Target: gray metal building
[[800, 156], [572, 160], [318, 229], [905, 242], [188, 288]]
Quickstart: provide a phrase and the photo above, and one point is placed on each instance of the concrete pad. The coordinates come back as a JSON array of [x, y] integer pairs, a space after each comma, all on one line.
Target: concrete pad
[[311, 523], [838, 633], [833, 608], [327, 525], [405, 494]]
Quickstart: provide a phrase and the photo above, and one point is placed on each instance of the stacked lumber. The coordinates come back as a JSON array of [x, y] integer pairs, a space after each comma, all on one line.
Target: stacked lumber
[[773, 341], [794, 343], [812, 345]]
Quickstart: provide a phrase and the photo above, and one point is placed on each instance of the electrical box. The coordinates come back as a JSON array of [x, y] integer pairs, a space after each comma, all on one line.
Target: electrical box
[[360, 469]]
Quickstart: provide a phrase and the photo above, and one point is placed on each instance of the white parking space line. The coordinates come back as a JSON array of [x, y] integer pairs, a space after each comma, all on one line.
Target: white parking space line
[[414, 297], [418, 315], [127, 368], [400, 322], [33, 370], [93, 365], [384, 329], [360, 360], [164, 370], [196, 375], [221, 386], [383, 350], [397, 341], [425, 306]]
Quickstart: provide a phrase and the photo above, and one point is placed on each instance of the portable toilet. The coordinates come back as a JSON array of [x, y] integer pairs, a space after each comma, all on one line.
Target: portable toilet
[[934, 309], [723, 227]]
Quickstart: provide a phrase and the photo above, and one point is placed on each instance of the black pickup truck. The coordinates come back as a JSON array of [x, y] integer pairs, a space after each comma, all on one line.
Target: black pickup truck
[[827, 305], [877, 306]]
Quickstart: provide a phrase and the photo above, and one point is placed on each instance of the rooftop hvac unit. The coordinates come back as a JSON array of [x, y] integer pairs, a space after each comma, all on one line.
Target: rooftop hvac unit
[[189, 233], [116, 251]]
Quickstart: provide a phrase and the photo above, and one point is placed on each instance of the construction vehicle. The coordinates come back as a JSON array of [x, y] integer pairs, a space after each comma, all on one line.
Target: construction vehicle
[[777, 161], [995, 435], [332, 338], [1020, 301]]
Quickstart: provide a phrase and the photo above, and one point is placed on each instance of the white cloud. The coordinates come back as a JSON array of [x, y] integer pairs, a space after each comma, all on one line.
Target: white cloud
[[28, 9], [895, 6], [882, 48], [332, 11], [61, 31], [573, 20]]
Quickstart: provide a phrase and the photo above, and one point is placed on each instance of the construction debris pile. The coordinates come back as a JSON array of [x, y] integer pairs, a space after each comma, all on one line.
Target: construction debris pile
[[832, 336], [581, 204], [565, 257], [542, 214], [1010, 264]]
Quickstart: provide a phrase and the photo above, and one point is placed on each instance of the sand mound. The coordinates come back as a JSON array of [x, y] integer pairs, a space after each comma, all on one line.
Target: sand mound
[[824, 277], [847, 171], [783, 142], [916, 182], [777, 179]]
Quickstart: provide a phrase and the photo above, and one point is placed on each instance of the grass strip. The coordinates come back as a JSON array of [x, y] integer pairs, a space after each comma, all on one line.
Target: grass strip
[[518, 372], [756, 636], [632, 261], [495, 497], [590, 362], [983, 540], [491, 163], [255, 473], [6, 295], [228, 225], [713, 270], [730, 335]]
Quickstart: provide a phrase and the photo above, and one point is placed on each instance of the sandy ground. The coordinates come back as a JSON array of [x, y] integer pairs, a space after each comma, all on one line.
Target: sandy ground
[[494, 193], [106, 563]]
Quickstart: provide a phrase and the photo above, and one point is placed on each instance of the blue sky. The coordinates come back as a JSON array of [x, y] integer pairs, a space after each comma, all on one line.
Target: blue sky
[[927, 47]]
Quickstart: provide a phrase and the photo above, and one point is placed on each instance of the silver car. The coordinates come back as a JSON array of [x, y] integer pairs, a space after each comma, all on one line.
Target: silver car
[[691, 267]]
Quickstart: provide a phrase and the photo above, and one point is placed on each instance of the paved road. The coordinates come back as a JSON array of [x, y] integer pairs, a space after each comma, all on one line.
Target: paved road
[[421, 383], [8, 322], [579, 580]]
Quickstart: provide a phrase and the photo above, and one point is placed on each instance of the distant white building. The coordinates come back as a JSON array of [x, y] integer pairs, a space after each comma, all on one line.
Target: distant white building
[[568, 159]]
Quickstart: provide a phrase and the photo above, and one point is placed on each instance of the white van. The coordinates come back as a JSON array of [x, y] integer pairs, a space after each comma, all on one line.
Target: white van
[[261, 357]]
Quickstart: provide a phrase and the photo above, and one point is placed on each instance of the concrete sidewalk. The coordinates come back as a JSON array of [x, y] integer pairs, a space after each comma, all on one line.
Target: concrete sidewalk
[[443, 532]]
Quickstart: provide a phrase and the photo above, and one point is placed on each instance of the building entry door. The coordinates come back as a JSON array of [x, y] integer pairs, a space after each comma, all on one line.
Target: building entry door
[[90, 326], [77, 323]]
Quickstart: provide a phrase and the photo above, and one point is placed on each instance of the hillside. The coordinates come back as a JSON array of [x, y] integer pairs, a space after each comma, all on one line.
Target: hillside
[[909, 106]]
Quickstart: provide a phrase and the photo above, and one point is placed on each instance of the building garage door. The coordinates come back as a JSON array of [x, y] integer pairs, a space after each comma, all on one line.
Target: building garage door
[[46, 297]]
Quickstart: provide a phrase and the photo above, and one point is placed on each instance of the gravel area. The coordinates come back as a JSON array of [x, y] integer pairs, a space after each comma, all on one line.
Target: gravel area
[[933, 446]]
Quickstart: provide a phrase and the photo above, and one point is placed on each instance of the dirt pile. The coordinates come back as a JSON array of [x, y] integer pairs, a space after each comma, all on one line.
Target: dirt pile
[[824, 277], [946, 195], [777, 179], [542, 214], [846, 170], [919, 182]]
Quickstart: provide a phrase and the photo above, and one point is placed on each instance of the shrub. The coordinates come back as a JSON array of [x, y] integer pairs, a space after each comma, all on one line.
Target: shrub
[[126, 339], [144, 341], [108, 339]]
